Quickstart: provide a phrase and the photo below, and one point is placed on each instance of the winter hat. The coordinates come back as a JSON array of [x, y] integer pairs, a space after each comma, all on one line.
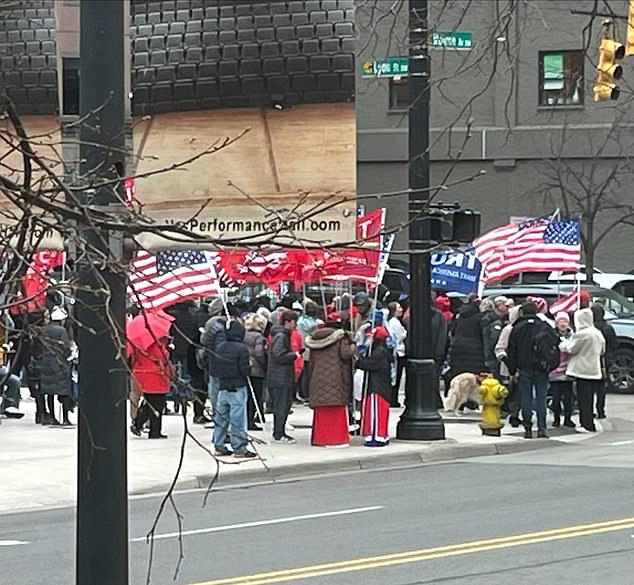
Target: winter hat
[[264, 312], [562, 316], [360, 298], [540, 304], [443, 303], [216, 307], [58, 314], [380, 333], [502, 300]]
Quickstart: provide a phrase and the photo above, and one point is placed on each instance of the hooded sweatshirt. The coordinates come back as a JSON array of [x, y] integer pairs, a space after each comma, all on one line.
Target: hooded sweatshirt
[[586, 348], [503, 341], [232, 359]]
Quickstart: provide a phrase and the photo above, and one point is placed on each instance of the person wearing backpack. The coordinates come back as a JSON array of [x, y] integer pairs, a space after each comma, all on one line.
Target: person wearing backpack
[[587, 348], [532, 352]]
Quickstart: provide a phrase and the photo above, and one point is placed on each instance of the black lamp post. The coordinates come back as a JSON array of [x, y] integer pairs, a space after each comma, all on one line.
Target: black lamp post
[[420, 421], [102, 495]]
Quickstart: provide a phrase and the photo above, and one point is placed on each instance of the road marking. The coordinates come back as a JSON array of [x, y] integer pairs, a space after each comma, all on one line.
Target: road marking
[[426, 554], [12, 542], [617, 443], [260, 523]]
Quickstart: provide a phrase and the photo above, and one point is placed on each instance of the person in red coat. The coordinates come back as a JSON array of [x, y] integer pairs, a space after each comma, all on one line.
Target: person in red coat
[[152, 373]]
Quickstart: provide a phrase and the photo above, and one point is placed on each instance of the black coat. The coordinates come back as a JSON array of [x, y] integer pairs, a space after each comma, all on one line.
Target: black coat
[[519, 352], [232, 359], [467, 348], [213, 336], [280, 372], [611, 340], [184, 326], [50, 360], [379, 367]]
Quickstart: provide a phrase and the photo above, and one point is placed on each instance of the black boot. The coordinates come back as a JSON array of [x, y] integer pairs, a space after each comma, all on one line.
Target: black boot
[[528, 433]]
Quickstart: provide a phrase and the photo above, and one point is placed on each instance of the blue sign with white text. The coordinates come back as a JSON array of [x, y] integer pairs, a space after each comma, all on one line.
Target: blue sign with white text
[[455, 272]]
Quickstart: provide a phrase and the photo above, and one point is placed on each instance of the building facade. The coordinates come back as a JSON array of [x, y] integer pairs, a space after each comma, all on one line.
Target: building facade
[[516, 103]]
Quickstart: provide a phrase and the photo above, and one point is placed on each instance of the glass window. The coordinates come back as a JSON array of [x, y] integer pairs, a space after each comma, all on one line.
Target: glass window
[[561, 78], [70, 86], [399, 93]]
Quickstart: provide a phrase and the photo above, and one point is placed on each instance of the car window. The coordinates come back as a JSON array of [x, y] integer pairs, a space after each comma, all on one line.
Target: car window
[[614, 303], [625, 288]]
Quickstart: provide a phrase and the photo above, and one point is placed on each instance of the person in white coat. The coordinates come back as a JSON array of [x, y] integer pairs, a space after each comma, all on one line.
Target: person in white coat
[[399, 334], [586, 348]]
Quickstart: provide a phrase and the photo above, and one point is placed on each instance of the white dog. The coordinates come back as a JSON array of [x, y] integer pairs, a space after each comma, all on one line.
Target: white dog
[[463, 388]]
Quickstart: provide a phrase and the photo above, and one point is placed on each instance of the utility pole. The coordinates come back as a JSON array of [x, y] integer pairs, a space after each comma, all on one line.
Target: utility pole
[[102, 491], [420, 421]]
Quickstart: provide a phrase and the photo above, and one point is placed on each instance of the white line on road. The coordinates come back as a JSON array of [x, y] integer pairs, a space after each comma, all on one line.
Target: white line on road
[[12, 542], [259, 523], [617, 443]]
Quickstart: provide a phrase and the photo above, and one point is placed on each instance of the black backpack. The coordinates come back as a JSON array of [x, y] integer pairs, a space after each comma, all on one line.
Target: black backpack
[[546, 349]]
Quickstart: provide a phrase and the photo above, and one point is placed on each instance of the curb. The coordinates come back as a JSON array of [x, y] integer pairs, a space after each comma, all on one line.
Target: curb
[[424, 456]]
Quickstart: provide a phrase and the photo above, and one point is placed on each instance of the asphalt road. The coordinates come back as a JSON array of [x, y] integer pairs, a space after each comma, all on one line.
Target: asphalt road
[[562, 515]]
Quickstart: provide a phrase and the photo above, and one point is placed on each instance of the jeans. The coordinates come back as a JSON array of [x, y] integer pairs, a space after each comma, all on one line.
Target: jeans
[[537, 381], [12, 392], [282, 398], [601, 390], [231, 410], [213, 389]]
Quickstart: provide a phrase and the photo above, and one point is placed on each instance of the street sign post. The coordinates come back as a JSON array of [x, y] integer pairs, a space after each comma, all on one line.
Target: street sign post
[[399, 66]]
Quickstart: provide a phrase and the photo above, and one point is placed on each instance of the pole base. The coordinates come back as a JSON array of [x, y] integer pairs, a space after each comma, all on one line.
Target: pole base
[[421, 421], [420, 429]]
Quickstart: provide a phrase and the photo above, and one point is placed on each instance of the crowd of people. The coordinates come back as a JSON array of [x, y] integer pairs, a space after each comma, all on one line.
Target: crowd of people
[[239, 366]]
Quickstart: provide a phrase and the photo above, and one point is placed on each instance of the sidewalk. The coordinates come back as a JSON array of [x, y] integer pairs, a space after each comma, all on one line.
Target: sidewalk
[[39, 463]]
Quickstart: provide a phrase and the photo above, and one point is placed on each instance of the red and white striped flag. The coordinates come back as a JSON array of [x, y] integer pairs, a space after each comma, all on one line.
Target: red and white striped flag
[[567, 303], [536, 246], [161, 279]]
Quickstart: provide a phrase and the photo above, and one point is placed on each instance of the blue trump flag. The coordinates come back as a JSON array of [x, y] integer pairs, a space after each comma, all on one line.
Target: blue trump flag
[[455, 272]]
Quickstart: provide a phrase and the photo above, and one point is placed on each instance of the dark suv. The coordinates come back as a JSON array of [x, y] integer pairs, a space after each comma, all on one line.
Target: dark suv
[[618, 310]]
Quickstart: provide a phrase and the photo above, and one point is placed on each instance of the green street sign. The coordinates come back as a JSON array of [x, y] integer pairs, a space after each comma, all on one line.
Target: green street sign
[[455, 41], [390, 67]]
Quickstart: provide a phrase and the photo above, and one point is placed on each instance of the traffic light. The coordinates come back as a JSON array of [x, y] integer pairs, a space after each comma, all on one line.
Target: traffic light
[[608, 70]]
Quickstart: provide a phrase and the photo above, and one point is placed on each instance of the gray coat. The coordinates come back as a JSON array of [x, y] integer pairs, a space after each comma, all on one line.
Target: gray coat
[[280, 373], [256, 344], [52, 360]]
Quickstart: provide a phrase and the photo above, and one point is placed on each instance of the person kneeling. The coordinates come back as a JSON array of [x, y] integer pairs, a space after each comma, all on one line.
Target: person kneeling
[[376, 403]]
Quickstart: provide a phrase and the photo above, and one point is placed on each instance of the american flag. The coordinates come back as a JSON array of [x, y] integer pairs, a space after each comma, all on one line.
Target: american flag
[[567, 303], [534, 246], [161, 279]]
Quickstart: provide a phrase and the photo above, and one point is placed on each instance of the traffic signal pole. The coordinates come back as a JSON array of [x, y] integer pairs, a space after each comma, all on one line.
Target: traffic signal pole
[[420, 421], [102, 498]]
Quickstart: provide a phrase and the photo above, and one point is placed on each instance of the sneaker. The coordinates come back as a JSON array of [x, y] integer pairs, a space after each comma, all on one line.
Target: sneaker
[[285, 439], [528, 434], [569, 424], [201, 420], [246, 455], [223, 452], [542, 435], [159, 436], [136, 432], [289, 427]]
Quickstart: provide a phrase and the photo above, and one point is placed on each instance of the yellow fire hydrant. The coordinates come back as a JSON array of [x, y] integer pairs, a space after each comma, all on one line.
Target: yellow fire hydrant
[[493, 395]]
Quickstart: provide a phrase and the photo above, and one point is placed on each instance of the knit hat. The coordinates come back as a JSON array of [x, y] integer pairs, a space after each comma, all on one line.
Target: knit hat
[[216, 307], [562, 316], [502, 300], [540, 304], [380, 333]]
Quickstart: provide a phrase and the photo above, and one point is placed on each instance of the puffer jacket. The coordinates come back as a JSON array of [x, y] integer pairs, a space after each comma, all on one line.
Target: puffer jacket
[[330, 367], [492, 325], [232, 359], [213, 335], [256, 344], [306, 325], [520, 354], [586, 348], [52, 360], [280, 372], [467, 349]]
